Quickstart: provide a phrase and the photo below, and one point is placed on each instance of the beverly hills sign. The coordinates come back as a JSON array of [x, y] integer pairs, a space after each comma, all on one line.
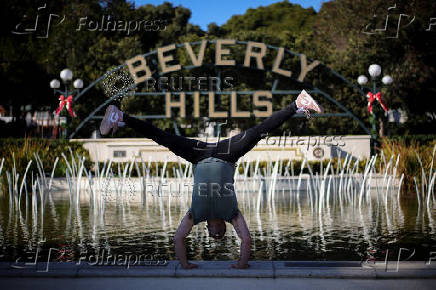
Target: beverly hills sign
[[225, 54], [140, 71]]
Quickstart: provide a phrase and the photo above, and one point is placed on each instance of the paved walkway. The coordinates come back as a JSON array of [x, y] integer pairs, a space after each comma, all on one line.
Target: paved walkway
[[219, 275], [212, 283]]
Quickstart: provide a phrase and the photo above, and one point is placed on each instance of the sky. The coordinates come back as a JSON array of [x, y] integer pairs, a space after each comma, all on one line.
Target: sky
[[219, 11]]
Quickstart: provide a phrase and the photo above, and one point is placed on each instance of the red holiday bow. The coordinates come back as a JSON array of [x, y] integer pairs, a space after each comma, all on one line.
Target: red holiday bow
[[372, 97], [69, 102]]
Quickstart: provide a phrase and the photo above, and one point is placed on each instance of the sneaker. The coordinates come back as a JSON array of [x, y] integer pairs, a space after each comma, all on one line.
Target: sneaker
[[305, 102], [113, 118]]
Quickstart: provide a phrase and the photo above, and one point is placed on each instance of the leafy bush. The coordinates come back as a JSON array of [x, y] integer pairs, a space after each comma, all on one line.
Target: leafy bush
[[18, 153], [412, 153]]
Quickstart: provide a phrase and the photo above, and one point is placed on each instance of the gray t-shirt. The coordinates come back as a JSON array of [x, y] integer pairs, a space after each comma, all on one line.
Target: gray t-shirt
[[213, 194]]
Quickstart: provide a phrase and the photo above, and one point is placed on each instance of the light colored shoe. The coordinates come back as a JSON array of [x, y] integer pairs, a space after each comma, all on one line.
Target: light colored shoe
[[305, 103], [113, 118]]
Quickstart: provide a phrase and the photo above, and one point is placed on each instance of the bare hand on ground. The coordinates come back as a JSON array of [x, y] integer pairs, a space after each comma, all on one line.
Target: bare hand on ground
[[239, 266], [190, 266]]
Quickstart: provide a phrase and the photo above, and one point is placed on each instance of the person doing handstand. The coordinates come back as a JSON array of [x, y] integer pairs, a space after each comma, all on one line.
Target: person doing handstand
[[213, 197]]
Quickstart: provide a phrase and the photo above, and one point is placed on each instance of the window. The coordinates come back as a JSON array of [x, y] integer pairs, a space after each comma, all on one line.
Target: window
[[119, 154]]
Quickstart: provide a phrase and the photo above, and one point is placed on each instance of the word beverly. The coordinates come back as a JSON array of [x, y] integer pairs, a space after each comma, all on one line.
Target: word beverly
[[254, 51], [108, 24]]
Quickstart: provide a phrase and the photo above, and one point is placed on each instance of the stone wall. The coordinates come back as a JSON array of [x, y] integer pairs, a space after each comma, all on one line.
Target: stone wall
[[269, 148]]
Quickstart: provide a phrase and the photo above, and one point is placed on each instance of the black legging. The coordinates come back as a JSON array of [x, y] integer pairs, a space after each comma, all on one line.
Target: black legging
[[230, 149]]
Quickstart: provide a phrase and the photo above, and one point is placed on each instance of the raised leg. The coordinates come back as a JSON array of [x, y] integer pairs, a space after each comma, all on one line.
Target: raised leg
[[190, 149], [233, 148]]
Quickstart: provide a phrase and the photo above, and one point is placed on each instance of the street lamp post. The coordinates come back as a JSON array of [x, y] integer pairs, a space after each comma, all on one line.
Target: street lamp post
[[66, 76], [374, 95]]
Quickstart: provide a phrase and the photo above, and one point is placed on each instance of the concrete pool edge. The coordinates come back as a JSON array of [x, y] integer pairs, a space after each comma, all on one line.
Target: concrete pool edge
[[217, 269]]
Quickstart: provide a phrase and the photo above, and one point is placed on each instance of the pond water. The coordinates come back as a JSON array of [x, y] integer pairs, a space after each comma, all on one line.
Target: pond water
[[284, 225]]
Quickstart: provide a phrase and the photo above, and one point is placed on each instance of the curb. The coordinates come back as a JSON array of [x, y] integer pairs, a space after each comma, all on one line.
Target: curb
[[222, 269]]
